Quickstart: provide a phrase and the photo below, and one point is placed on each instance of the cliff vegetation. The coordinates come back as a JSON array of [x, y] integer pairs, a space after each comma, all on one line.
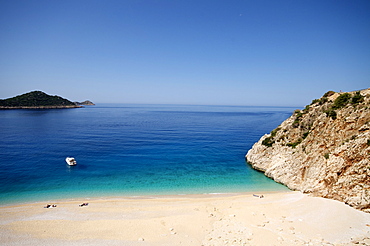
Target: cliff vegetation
[[323, 149]]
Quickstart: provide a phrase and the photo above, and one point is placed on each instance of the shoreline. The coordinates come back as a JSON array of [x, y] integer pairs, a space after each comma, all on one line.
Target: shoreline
[[137, 196], [29, 197], [281, 218]]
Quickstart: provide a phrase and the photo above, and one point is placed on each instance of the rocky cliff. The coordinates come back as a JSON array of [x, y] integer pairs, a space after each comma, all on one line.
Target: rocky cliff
[[323, 150]]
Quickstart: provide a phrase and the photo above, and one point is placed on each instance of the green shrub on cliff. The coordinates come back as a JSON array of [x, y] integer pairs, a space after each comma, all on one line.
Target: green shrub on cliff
[[305, 134], [357, 98], [273, 132], [293, 145], [298, 116], [342, 101], [331, 113], [306, 109], [323, 100], [315, 101], [329, 93], [268, 141]]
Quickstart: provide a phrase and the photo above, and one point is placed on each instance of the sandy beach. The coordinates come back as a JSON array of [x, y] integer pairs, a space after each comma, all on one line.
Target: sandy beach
[[287, 218]]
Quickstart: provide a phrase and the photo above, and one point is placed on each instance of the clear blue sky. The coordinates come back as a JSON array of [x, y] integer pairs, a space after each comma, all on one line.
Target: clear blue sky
[[247, 52]]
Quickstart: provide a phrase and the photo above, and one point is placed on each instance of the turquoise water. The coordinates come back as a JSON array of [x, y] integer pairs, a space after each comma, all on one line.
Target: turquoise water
[[132, 150]]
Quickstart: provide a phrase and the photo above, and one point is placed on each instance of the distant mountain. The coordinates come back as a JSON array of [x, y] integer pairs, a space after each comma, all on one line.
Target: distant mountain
[[36, 99]]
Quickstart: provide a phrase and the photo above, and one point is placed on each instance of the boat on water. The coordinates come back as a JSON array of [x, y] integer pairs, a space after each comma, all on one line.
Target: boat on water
[[71, 161]]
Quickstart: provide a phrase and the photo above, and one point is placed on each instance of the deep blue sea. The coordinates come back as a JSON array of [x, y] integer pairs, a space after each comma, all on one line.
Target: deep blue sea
[[131, 150]]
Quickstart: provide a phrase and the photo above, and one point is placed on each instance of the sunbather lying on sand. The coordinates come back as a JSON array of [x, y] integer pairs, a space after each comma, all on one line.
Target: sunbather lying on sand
[[261, 196], [49, 205]]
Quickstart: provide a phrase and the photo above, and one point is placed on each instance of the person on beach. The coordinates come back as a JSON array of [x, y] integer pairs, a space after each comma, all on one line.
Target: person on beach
[[49, 205], [261, 196]]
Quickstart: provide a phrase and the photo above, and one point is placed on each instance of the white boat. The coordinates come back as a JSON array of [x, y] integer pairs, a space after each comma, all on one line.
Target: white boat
[[71, 161]]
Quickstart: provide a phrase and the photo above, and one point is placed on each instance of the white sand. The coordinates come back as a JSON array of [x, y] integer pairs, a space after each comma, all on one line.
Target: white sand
[[288, 218]]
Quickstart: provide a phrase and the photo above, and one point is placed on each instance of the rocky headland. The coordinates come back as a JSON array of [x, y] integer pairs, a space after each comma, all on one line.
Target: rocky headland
[[323, 149], [39, 100], [86, 103]]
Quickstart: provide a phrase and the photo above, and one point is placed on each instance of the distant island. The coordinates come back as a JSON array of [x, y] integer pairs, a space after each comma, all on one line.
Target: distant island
[[86, 103], [39, 100]]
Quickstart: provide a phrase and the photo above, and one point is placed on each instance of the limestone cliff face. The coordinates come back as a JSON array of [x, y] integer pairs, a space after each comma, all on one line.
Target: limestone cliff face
[[323, 149]]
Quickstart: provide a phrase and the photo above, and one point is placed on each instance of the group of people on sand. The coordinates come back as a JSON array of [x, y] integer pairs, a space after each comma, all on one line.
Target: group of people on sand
[[86, 204], [54, 205]]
